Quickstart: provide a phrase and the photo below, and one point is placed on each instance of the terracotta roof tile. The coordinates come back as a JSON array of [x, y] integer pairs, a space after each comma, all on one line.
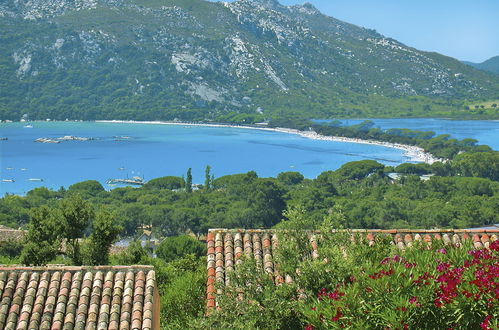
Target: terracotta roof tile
[[77, 297], [227, 246]]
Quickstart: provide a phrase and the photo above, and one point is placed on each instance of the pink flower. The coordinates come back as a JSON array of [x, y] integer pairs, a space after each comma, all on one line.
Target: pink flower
[[413, 300], [442, 251], [309, 327]]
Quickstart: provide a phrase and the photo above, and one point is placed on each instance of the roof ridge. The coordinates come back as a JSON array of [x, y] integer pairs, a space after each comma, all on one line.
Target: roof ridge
[[74, 268], [387, 231]]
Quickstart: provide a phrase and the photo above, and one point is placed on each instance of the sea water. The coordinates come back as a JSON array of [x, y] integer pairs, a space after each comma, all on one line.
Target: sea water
[[121, 150]]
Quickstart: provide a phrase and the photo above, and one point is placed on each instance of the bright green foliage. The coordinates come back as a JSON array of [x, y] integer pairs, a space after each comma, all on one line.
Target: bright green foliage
[[176, 247], [43, 238], [105, 231]]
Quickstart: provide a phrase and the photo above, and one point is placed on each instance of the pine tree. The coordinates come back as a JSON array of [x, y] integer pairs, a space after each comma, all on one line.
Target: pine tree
[[207, 179], [188, 181]]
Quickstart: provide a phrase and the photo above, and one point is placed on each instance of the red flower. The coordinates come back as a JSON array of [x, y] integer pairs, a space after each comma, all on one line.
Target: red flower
[[309, 327], [485, 324], [338, 315]]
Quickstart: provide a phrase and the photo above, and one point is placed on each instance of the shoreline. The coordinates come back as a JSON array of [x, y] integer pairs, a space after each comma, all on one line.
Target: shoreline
[[414, 153]]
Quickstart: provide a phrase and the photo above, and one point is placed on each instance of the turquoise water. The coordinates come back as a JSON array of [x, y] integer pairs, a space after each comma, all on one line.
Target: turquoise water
[[485, 131], [158, 150]]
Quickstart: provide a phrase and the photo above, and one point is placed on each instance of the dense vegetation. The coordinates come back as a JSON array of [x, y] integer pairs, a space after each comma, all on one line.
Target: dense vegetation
[[464, 193]]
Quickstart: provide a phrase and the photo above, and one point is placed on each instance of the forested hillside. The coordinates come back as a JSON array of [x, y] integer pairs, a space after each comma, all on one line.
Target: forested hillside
[[197, 60]]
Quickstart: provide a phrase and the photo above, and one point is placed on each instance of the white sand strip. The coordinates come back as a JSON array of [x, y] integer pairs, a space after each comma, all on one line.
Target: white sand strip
[[414, 153]]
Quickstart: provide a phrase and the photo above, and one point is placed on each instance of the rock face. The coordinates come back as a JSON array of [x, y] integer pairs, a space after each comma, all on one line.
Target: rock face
[[164, 59]]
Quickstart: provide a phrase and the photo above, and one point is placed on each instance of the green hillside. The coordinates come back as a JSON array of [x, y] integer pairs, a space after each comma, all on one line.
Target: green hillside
[[195, 60]]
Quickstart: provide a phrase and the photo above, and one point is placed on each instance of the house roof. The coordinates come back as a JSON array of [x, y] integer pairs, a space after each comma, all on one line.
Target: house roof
[[61, 297], [227, 246]]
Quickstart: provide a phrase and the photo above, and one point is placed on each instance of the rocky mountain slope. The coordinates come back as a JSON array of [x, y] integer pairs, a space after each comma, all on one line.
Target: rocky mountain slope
[[192, 59]]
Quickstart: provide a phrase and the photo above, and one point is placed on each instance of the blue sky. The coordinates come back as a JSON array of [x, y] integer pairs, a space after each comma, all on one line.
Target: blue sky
[[464, 29]]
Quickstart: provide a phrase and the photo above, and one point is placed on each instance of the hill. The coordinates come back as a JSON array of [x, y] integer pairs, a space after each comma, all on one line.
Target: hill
[[193, 59], [490, 65]]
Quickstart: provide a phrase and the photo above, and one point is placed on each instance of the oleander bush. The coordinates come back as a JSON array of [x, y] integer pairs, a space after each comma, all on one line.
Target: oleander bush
[[420, 288], [356, 286]]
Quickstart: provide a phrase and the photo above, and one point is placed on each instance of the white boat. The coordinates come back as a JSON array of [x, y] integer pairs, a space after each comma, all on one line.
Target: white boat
[[8, 180], [28, 126], [35, 179]]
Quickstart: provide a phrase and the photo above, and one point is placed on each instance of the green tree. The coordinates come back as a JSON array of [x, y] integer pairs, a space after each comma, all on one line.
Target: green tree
[[105, 231], [166, 182], [43, 239], [176, 247], [188, 181], [77, 215], [207, 178]]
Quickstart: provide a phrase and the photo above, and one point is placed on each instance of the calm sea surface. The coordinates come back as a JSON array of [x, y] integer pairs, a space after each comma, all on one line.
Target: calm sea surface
[[157, 150]]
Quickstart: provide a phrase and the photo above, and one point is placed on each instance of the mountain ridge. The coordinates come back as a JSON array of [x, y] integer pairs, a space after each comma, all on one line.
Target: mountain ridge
[[490, 65], [192, 59]]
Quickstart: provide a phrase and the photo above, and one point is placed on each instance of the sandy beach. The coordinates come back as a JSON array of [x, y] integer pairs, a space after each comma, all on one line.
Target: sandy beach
[[415, 154]]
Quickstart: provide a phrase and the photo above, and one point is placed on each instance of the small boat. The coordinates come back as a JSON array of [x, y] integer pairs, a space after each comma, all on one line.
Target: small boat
[[24, 169], [3, 139], [9, 168], [8, 180], [28, 126], [121, 169], [35, 179]]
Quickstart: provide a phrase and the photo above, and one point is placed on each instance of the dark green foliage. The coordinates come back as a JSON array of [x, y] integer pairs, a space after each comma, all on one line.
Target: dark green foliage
[[10, 248], [87, 188], [408, 168], [166, 182], [188, 181], [290, 178], [176, 247], [208, 178], [358, 170]]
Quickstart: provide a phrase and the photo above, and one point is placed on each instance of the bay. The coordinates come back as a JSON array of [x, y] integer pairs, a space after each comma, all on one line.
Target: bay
[[124, 150], [157, 150]]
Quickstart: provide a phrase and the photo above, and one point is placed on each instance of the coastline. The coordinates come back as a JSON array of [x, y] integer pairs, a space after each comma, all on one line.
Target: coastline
[[414, 153]]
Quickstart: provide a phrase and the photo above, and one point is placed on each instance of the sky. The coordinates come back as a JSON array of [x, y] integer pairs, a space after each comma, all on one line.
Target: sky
[[464, 29]]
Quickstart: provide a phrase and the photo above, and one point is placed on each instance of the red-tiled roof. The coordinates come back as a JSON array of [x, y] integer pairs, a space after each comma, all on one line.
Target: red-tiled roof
[[60, 297], [227, 246]]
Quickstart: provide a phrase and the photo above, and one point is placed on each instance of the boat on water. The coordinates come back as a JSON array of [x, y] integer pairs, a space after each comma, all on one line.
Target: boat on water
[[136, 180], [35, 179], [3, 139], [28, 126], [8, 180]]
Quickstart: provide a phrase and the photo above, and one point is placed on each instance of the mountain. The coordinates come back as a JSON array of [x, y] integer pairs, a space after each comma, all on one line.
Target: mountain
[[194, 59], [490, 65]]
